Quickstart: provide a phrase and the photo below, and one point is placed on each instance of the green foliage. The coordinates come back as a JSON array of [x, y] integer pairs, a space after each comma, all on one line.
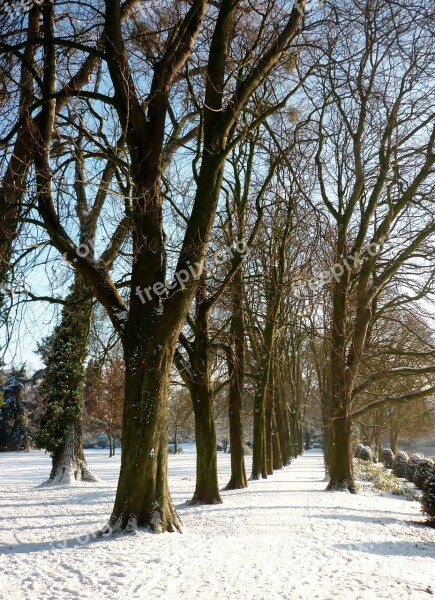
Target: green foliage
[[363, 452], [15, 426], [62, 383], [387, 458], [400, 464], [412, 465], [382, 479], [428, 498], [423, 472], [357, 450]]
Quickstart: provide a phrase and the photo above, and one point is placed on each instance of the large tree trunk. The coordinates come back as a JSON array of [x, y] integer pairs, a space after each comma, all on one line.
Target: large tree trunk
[[207, 487], [341, 469], [236, 371], [68, 461], [340, 455], [142, 497], [198, 379]]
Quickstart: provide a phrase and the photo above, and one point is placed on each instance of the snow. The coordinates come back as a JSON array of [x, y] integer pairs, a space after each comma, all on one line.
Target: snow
[[282, 538]]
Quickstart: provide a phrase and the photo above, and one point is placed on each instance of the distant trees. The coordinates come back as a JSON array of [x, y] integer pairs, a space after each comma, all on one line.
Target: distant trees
[[180, 420], [17, 411], [395, 382], [104, 397]]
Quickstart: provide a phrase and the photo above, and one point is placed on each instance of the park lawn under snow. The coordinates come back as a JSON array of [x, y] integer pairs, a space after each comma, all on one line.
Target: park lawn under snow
[[284, 537]]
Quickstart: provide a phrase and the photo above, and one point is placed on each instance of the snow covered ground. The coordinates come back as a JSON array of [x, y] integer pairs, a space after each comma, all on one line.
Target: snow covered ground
[[283, 538]]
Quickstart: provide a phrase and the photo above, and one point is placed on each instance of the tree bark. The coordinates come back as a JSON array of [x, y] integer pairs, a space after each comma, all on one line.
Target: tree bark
[[142, 497], [176, 437], [269, 421], [207, 487], [236, 371], [196, 375], [277, 454], [259, 466]]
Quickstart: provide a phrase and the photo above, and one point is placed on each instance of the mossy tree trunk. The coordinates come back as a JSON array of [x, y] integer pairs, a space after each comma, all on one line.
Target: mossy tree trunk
[[142, 498], [60, 431]]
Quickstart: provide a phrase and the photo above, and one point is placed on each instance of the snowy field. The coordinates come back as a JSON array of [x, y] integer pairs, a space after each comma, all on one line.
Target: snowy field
[[284, 538]]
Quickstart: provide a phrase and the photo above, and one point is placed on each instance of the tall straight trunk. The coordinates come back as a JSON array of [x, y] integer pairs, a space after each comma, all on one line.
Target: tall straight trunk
[[238, 479], [236, 371], [269, 421], [327, 435], [61, 421], [207, 487], [277, 453], [176, 438], [282, 421], [111, 441], [197, 377], [394, 438], [377, 435], [340, 456], [341, 469], [259, 466], [293, 429]]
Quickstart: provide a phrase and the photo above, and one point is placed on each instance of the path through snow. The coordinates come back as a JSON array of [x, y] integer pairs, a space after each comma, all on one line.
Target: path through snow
[[283, 538]]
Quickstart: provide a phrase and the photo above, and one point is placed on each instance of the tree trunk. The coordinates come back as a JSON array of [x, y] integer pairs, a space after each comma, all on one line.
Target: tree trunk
[[283, 428], [394, 438], [142, 497], [340, 452], [236, 371], [259, 468], [277, 455], [238, 478], [377, 435], [341, 465], [176, 438], [341, 469], [207, 487], [60, 430], [68, 461], [111, 442], [196, 375], [269, 422]]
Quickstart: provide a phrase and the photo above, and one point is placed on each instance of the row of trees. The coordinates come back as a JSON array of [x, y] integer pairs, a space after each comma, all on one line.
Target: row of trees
[[246, 191]]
